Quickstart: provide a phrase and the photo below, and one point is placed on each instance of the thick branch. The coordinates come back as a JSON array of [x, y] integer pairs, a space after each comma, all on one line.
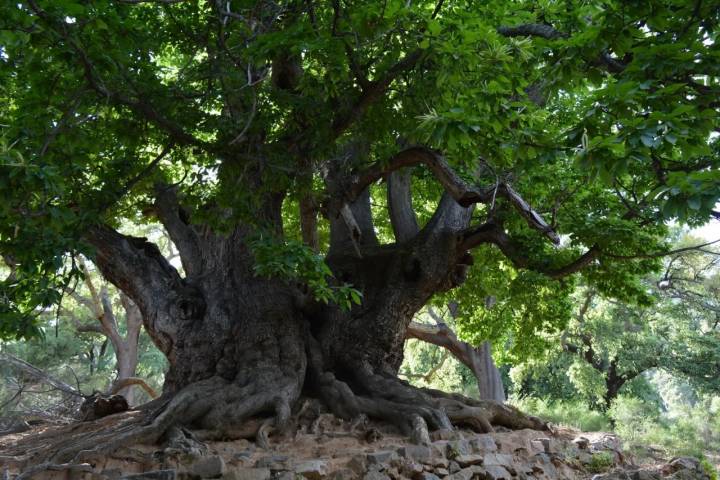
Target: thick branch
[[352, 227], [532, 30], [138, 269], [174, 219], [402, 213], [494, 234], [463, 193]]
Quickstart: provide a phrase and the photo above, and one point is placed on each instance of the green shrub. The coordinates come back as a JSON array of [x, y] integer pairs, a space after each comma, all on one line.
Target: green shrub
[[709, 469], [571, 414], [689, 430], [600, 462]]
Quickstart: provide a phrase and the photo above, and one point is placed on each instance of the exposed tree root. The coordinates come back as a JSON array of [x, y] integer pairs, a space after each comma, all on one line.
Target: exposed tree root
[[213, 405], [412, 409], [261, 405], [462, 409]]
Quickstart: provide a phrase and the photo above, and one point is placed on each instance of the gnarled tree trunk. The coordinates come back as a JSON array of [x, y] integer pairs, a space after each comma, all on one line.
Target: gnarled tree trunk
[[244, 347]]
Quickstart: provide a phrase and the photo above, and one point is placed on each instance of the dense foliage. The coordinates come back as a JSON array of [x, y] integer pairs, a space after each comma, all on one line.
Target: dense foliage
[[609, 346], [600, 114]]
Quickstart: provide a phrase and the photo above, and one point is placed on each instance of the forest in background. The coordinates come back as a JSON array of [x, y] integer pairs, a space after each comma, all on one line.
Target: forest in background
[[646, 371]]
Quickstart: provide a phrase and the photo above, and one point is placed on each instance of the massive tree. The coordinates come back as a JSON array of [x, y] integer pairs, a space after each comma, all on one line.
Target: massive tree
[[325, 169]]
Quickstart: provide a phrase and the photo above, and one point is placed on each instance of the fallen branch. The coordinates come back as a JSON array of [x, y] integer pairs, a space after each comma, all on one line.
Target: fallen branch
[[38, 374]]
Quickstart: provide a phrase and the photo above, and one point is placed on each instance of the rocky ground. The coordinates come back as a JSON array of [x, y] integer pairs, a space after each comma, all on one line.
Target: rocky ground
[[332, 449]]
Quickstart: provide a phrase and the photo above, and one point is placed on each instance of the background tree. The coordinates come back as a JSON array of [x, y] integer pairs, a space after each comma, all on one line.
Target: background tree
[[216, 118], [478, 359], [99, 303], [609, 346]]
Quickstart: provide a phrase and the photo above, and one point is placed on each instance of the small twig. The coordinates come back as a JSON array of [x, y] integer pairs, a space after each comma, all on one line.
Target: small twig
[[17, 394], [77, 380]]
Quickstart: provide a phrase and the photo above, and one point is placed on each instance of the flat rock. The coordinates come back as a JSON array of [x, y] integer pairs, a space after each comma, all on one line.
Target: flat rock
[[415, 452], [312, 469], [483, 443], [273, 462], [458, 447], [154, 475], [496, 472], [381, 457], [468, 460], [537, 446], [501, 459], [439, 448], [442, 434], [248, 474], [439, 461], [412, 468], [467, 473], [208, 467]]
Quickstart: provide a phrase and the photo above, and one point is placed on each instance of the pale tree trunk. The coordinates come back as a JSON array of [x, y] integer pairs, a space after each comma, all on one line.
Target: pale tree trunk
[[478, 359], [126, 348]]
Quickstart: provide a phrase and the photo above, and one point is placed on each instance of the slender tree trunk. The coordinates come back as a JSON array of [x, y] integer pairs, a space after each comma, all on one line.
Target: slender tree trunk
[[613, 383], [125, 348], [490, 384], [479, 360]]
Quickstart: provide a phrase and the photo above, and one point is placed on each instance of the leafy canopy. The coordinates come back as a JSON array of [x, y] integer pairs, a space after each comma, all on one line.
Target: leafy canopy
[[600, 114]]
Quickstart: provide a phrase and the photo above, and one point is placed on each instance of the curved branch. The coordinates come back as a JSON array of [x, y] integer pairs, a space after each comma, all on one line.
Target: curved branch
[[532, 30], [138, 269], [463, 193], [548, 32], [174, 219], [127, 382], [478, 360], [402, 214], [493, 233]]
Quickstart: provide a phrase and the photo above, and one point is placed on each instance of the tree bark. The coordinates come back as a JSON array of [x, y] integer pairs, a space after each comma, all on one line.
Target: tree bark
[[241, 346]]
